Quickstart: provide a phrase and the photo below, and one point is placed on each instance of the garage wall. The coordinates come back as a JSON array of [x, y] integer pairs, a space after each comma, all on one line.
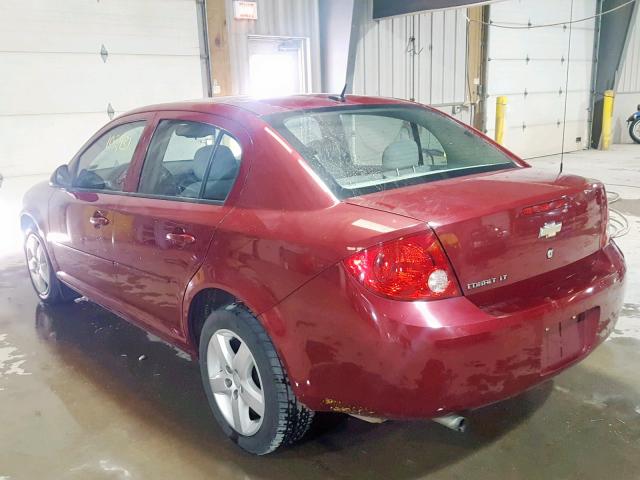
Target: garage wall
[[430, 69], [529, 66], [276, 18], [628, 90], [55, 88]]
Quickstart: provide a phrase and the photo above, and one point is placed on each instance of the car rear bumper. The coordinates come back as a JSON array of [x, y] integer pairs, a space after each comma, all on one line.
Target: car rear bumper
[[348, 350]]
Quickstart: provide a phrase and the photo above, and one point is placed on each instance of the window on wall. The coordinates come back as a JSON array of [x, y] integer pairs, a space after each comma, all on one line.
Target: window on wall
[[190, 160], [277, 66], [104, 165]]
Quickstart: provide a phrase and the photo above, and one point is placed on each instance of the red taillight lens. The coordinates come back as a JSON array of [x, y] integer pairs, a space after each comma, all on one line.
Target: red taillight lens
[[410, 268], [545, 207]]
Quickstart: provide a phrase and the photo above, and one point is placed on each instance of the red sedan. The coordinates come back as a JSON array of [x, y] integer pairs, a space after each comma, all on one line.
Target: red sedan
[[316, 253]]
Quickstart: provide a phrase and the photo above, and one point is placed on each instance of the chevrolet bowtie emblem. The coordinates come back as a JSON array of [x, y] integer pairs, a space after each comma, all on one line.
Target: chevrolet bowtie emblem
[[550, 230]]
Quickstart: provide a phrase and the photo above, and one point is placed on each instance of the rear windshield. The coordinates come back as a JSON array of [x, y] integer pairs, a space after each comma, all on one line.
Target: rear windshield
[[374, 148]]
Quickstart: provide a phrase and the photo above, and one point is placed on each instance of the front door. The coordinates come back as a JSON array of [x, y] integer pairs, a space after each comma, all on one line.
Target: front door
[[164, 228], [81, 217]]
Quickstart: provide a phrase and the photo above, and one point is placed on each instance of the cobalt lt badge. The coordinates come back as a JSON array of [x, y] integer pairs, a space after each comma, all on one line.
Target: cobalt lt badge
[[550, 253]]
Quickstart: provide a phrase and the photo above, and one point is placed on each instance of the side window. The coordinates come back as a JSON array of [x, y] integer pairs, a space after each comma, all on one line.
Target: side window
[[178, 155], [224, 169], [182, 155], [104, 165]]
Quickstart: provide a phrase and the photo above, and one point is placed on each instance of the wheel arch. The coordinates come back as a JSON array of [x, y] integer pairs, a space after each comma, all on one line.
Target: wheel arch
[[27, 221], [200, 305]]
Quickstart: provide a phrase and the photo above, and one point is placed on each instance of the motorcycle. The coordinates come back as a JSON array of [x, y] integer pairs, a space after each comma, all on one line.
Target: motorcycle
[[634, 126]]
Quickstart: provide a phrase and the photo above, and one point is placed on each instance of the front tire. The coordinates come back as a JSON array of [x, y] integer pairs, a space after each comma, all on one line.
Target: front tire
[[246, 384], [634, 130], [43, 277]]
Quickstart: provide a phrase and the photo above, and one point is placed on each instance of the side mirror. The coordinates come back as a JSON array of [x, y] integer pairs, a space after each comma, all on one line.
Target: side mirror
[[61, 177]]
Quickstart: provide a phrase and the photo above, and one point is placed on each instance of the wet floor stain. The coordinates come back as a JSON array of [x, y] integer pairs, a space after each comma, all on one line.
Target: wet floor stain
[[11, 361], [630, 310]]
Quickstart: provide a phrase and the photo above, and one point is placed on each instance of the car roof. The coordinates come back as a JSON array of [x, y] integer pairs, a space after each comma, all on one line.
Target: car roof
[[268, 106]]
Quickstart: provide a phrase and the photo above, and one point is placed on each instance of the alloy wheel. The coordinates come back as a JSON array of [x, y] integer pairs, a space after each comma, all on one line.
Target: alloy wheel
[[38, 265], [235, 382]]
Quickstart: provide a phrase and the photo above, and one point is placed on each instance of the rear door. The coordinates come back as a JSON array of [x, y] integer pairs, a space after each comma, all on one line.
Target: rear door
[[82, 218], [165, 225]]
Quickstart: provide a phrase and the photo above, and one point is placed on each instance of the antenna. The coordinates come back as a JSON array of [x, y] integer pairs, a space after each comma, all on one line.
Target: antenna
[[566, 88], [342, 96]]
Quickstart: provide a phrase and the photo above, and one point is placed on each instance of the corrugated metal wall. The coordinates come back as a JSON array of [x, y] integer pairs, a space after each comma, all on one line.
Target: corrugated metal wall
[[431, 69], [286, 18], [629, 76]]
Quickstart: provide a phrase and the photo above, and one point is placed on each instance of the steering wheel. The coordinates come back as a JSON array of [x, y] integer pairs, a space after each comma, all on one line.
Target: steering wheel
[[117, 177]]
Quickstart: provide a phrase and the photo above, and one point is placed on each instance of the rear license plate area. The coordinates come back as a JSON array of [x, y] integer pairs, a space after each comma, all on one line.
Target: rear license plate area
[[568, 339]]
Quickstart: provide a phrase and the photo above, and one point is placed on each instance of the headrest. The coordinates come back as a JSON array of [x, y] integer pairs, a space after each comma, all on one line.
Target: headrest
[[225, 165], [400, 154], [201, 160], [194, 130]]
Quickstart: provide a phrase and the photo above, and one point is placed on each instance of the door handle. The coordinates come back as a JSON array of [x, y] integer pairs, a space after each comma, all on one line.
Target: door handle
[[180, 238], [98, 220]]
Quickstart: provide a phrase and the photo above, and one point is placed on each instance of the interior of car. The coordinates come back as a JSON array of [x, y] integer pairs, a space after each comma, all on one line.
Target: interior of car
[[189, 159], [185, 159]]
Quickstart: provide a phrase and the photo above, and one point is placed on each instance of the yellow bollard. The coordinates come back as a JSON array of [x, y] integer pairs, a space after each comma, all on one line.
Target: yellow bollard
[[501, 110], [607, 117]]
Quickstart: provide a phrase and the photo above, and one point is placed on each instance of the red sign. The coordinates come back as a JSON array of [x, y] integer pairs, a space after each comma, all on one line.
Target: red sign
[[245, 10]]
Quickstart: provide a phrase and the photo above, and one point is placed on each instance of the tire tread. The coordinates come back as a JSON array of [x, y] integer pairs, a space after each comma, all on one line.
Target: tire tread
[[293, 418]]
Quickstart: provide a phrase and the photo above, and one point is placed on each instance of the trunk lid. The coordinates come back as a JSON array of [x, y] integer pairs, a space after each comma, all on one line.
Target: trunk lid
[[491, 236]]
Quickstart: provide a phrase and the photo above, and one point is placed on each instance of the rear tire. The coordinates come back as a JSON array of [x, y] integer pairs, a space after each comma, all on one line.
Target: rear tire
[[228, 336], [49, 289], [634, 130]]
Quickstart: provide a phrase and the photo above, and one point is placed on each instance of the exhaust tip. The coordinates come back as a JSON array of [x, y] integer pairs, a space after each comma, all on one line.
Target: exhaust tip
[[454, 422], [462, 425]]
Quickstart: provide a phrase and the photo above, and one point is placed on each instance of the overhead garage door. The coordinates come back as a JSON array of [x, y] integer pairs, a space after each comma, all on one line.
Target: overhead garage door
[[69, 65], [529, 66]]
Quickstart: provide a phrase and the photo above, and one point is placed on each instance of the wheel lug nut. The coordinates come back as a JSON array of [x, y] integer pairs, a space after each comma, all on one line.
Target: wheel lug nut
[[228, 382]]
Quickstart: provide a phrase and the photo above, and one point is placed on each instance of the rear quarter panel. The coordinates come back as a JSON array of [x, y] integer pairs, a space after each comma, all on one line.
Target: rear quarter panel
[[262, 256]]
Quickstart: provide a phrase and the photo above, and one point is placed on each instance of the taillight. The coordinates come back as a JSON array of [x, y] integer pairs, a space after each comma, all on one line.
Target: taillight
[[545, 207], [410, 268]]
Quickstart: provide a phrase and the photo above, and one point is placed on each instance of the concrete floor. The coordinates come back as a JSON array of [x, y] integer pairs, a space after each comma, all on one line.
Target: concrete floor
[[84, 395]]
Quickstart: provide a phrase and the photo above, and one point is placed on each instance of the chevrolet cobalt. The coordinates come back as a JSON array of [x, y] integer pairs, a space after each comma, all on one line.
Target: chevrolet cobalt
[[351, 254]]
